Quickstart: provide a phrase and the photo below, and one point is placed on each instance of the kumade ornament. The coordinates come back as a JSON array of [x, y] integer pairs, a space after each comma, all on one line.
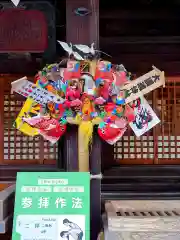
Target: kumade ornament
[[88, 91]]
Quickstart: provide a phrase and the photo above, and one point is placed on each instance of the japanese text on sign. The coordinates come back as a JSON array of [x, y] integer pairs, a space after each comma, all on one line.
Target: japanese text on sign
[[44, 202], [52, 189], [144, 85]]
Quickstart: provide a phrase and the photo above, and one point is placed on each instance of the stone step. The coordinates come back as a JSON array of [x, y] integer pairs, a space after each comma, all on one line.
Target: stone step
[[143, 219]]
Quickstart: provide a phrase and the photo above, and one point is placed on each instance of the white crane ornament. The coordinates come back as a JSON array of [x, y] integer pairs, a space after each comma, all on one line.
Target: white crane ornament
[[69, 49], [86, 49], [73, 50]]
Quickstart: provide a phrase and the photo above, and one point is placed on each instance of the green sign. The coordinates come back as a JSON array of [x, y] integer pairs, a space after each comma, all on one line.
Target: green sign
[[52, 206]]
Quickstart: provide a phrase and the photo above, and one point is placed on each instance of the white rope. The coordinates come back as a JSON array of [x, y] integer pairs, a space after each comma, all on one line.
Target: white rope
[[96, 176]]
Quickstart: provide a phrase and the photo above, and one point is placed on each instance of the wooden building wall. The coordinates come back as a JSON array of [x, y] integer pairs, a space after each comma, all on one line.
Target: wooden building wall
[[141, 34], [133, 36]]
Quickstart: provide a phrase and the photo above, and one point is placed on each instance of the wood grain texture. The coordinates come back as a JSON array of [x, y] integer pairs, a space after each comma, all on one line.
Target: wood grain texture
[[77, 27], [95, 166], [82, 30]]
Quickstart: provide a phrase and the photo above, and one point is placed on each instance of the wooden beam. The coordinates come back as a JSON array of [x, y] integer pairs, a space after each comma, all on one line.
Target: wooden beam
[[113, 40], [142, 14]]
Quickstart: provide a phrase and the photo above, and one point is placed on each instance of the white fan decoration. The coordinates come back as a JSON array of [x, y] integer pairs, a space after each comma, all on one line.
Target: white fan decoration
[[15, 2]]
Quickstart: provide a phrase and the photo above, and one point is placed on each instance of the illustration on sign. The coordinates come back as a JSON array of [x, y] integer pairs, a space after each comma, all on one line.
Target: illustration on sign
[[71, 229], [145, 117], [52, 206], [39, 95], [50, 226]]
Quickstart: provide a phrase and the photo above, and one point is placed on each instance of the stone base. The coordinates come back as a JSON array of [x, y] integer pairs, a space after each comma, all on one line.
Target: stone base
[[7, 201], [141, 236], [142, 220], [6, 224]]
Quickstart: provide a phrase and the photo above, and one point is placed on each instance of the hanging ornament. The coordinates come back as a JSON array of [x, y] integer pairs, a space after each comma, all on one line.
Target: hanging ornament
[[86, 93]]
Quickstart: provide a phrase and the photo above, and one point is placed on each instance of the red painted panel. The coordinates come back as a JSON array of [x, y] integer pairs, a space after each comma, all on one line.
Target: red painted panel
[[23, 31]]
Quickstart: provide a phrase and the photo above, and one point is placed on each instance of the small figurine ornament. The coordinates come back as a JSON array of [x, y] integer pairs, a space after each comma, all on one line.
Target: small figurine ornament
[[73, 91], [86, 93]]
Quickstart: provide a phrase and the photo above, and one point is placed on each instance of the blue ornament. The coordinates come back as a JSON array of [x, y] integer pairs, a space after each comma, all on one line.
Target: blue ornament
[[120, 101], [99, 81]]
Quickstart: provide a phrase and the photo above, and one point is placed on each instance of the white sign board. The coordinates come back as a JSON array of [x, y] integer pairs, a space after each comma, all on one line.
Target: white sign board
[[144, 84], [30, 90], [145, 118]]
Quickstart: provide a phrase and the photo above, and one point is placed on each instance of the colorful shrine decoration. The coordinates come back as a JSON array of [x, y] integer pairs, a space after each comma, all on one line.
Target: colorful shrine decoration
[[52, 205], [86, 92]]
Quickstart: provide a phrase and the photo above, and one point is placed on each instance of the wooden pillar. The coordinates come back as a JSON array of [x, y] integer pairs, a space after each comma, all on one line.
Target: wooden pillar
[[108, 160], [95, 165], [101, 158], [94, 22], [79, 29], [85, 30], [68, 149]]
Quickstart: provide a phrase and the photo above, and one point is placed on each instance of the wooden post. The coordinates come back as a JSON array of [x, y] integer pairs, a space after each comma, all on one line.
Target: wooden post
[[94, 22], [69, 149], [108, 160], [85, 30], [95, 165], [2, 121], [79, 29]]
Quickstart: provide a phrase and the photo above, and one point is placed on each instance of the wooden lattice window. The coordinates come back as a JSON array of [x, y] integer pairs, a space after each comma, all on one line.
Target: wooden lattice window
[[161, 145], [15, 147]]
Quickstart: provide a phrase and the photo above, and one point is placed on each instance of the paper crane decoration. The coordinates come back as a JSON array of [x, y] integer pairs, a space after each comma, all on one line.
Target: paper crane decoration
[[78, 49], [86, 93], [86, 49], [69, 49]]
